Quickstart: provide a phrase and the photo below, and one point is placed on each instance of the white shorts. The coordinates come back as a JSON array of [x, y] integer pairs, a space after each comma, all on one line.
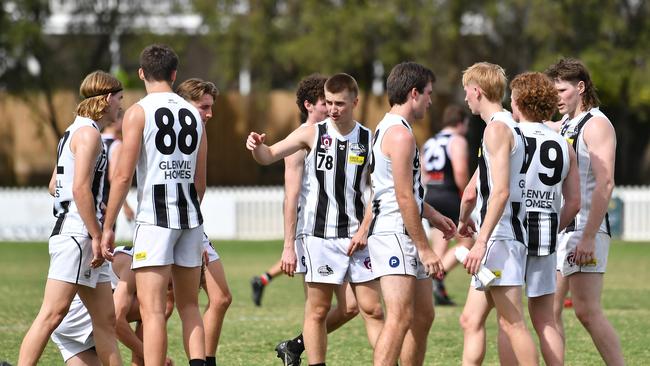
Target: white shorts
[[395, 254], [74, 334], [567, 243], [301, 263], [70, 258], [507, 260], [159, 246], [540, 275], [208, 247], [327, 261]]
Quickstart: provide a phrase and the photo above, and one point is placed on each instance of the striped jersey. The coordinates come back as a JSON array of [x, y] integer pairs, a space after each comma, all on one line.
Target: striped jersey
[[437, 162], [573, 131], [69, 221], [546, 165], [110, 142], [172, 133], [511, 224], [335, 179], [387, 217]]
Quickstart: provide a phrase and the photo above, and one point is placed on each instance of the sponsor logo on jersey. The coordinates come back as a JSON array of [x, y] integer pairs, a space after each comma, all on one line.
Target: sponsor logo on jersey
[[140, 256], [357, 148], [325, 142], [393, 261], [356, 160], [325, 270], [367, 263]]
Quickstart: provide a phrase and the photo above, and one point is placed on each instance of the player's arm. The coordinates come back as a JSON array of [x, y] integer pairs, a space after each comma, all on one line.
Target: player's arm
[[600, 138], [459, 161], [466, 227], [123, 298], [498, 142], [200, 173], [86, 145], [360, 239], [132, 131], [570, 192], [52, 186], [294, 167], [439, 221], [399, 146], [554, 125], [301, 138], [116, 151]]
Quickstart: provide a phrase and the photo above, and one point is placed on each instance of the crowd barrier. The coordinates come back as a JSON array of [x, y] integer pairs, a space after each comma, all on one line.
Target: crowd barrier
[[255, 213]]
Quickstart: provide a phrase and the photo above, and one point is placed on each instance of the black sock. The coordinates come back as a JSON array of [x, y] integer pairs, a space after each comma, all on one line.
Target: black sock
[[317, 364], [197, 362], [296, 345], [210, 361]]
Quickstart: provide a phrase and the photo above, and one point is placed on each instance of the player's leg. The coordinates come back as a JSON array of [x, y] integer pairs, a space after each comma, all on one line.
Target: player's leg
[[368, 296], [317, 306], [449, 260], [85, 358], [543, 319], [398, 292], [99, 302], [187, 304], [151, 284], [56, 301], [258, 283], [472, 320], [558, 302], [346, 307], [508, 302], [586, 290], [415, 341], [219, 299]]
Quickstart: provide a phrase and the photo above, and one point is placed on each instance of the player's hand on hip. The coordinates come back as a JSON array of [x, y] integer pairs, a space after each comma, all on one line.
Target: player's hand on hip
[[288, 261], [254, 140], [431, 262], [474, 258], [107, 244]]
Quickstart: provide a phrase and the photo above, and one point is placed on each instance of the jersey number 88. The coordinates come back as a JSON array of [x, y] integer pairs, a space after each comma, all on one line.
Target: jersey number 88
[[166, 136]]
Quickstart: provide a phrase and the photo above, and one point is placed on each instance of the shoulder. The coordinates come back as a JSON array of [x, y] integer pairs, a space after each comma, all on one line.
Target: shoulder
[[399, 134], [496, 128], [599, 129]]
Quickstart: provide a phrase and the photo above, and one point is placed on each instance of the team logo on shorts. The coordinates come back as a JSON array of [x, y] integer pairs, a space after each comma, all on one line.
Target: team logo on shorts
[[393, 261], [302, 260], [140, 256], [367, 264], [325, 270], [87, 273], [414, 263]]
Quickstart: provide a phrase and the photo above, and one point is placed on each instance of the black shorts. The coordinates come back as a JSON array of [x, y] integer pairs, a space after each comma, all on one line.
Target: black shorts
[[446, 202]]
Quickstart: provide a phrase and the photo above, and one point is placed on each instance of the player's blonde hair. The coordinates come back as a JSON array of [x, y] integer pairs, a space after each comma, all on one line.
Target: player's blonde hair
[[535, 95], [491, 78], [95, 87]]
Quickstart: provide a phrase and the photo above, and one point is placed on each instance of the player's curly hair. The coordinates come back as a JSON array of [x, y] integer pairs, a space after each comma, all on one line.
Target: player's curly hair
[[193, 89], [311, 89], [574, 71], [491, 78], [95, 89], [535, 95]]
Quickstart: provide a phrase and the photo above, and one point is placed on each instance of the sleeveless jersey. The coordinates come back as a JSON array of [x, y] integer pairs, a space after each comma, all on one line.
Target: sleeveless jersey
[[172, 133], [387, 217], [546, 165], [68, 220], [110, 142], [510, 226], [335, 179], [573, 131], [437, 163]]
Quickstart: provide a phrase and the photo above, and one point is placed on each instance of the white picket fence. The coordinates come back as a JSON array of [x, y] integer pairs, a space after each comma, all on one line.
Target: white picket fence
[[253, 213]]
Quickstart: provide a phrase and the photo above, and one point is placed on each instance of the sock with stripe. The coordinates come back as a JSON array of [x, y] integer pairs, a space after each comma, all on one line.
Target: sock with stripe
[[266, 278]]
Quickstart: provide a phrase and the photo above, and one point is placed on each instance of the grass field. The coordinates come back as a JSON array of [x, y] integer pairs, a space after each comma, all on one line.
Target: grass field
[[251, 333]]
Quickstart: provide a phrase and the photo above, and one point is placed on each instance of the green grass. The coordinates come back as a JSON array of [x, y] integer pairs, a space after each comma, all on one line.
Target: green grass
[[250, 333]]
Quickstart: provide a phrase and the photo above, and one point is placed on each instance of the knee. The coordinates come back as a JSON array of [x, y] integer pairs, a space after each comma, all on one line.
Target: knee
[[53, 317], [402, 318], [373, 311], [468, 322], [350, 312], [318, 312], [586, 315], [221, 303]]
